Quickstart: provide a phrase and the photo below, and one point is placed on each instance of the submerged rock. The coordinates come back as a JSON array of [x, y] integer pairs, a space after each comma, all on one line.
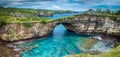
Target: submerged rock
[[113, 53], [93, 52], [89, 42]]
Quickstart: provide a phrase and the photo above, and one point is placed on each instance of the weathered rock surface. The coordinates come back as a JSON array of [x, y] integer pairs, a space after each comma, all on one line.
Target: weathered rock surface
[[41, 13], [5, 51], [79, 24], [14, 32], [21, 15], [93, 24]]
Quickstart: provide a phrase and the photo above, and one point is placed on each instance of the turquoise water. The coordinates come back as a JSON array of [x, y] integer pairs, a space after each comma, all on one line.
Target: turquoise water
[[60, 43], [55, 16]]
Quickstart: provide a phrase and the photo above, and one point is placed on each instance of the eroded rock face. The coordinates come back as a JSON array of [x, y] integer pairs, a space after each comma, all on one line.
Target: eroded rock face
[[41, 13], [13, 32], [93, 24], [21, 15], [79, 24], [5, 51]]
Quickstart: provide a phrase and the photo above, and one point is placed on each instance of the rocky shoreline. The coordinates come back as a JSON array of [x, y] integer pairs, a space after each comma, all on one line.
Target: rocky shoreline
[[80, 24], [17, 51], [13, 49], [106, 27], [7, 51]]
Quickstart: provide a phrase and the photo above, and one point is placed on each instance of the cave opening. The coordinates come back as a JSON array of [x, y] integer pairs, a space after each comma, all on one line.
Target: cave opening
[[59, 30]]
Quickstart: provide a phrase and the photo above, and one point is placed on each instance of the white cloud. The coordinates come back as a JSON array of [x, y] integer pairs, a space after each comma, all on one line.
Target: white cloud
[[77, 5], [56, 7]]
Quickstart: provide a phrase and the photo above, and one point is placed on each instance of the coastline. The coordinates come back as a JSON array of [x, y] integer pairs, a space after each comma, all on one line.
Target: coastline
[[17, 51]]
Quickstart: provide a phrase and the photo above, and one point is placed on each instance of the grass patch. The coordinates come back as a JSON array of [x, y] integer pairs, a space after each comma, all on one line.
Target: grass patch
[[12, 33], [28, 24]]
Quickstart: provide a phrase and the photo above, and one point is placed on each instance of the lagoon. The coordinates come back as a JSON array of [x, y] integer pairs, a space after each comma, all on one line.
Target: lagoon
[[62, 42]]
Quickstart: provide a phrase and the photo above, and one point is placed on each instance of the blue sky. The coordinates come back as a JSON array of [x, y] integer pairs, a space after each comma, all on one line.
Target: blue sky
[[76, 5]]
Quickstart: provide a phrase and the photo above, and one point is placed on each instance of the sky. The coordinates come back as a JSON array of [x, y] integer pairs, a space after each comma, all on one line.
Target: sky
[[75, 5]]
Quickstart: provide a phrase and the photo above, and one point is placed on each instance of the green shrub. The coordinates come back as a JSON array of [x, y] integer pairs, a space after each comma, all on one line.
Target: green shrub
[[115, 52], [28, 24], [12, 33], [44, 22], [3, 21], [70, 17]]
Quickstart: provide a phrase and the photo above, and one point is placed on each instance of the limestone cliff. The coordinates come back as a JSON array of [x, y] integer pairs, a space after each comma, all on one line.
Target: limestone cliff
[[78, 24], [93, 24], [42, 13], [13, 32]]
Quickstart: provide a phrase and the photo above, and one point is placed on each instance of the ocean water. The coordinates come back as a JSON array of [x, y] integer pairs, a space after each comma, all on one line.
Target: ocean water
[[55, 16], [61, 43], [58, 44]]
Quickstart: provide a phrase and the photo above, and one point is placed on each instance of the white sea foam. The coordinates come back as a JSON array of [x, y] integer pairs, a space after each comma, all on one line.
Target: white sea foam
[[103, 46], [98, 37]]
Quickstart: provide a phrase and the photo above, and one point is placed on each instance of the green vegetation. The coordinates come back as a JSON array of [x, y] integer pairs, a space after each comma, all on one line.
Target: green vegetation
[[70, 17], [28, 24], [63, 19], [106, 12], [117, 12], [65, 11], [114, 53], [12, 32], [27, 16], [60, 19], [7, 11], [47, 11], [18, 15]]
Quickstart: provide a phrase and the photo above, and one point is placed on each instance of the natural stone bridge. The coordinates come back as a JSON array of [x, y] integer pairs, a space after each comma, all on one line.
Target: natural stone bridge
[[78, 24], [94, 24]]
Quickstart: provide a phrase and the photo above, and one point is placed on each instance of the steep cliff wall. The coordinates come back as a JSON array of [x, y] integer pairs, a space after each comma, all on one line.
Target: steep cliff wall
[[78, 24], [13, 32], [93, 24]]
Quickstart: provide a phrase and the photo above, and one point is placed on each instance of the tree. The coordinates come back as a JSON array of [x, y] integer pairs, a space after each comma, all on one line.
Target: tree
[[112, 13], [98, 11], [85, 12], [91, 11], [1, 7], [3, 20], [117, 12], [108, 11]]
